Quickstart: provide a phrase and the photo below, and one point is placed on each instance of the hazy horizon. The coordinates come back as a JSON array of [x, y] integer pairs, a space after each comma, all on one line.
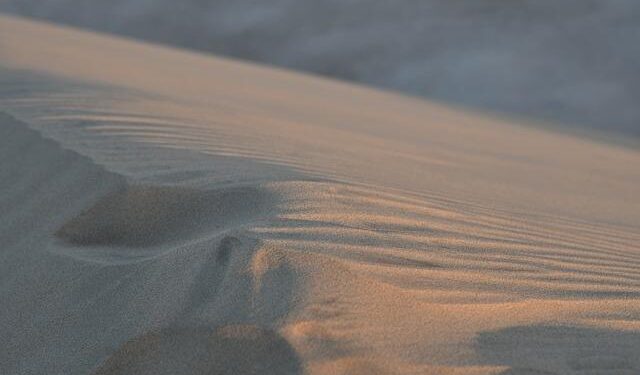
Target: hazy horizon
[[572, 62]]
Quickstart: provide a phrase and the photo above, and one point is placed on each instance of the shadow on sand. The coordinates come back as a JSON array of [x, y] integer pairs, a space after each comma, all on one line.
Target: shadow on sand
[[556, 350]]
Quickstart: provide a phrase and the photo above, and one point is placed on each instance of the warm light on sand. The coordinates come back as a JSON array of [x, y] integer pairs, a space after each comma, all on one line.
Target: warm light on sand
[[168, 212]]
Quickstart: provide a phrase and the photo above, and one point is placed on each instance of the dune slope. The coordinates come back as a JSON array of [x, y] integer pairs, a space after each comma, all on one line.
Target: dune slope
[[167, 212]]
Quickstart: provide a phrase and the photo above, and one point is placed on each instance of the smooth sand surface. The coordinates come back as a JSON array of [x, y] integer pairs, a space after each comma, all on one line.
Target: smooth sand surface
[[166, 212]]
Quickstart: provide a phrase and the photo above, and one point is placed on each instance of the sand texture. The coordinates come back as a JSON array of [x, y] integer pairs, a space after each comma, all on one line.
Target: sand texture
[[167, 212]]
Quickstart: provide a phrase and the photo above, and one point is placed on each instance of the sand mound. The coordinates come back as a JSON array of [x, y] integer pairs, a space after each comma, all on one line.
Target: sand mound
[[226, 350], [41, 183], [144, 216]]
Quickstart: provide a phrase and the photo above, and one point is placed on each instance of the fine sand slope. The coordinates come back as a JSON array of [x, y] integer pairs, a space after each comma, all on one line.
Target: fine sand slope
[[165, 212]]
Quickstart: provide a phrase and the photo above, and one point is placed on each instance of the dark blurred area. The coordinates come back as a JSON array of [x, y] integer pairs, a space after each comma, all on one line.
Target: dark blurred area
[[575, 62]]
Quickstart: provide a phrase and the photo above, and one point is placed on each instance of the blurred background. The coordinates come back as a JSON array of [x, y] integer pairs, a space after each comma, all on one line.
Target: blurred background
[[575, 63]]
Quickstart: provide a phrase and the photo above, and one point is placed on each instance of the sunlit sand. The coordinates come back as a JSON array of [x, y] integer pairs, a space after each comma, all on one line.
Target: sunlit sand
[[167, 212]]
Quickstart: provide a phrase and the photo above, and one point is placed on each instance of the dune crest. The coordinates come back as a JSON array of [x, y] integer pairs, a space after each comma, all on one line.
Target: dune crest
[[163, 211]]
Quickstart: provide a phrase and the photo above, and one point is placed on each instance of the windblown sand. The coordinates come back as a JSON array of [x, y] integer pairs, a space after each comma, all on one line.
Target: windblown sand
[[165, 212]]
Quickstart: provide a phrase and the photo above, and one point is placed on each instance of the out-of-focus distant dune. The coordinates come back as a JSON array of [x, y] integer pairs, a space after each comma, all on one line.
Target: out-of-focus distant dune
[[171, 212], [572, 62]]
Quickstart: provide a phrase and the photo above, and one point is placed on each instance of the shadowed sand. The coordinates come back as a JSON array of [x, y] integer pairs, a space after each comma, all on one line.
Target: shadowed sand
[[561, 349], [170, 212], [228, 350], [144, 216]]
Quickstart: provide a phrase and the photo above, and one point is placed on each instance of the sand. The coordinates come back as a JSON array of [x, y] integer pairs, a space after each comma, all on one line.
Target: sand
[[166, 212]]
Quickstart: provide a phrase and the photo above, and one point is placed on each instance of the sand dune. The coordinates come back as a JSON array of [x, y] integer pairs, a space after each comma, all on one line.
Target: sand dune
[[170, 212]]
